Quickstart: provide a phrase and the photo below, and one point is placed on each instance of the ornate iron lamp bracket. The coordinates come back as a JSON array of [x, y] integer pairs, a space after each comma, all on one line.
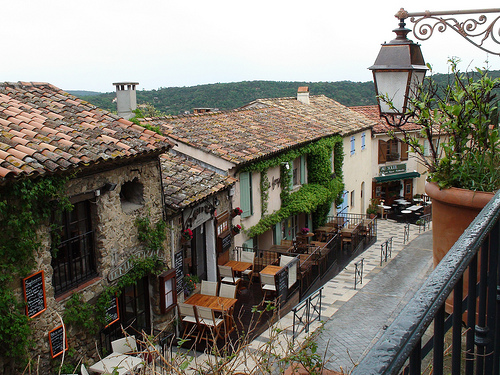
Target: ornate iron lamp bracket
[[480, 32]]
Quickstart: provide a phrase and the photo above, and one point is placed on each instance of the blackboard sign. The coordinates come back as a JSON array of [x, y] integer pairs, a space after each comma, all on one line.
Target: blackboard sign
[[179, 270], [34, 294], [112, 314], [225, 242], [57, 341], [282, 284]]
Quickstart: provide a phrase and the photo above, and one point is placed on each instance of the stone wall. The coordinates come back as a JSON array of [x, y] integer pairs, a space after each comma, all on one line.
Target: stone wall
[[115, 238]]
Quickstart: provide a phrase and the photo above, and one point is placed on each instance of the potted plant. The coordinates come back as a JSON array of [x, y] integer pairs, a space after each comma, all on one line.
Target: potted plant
[[237, 211], [236, 228], [462, 155], [186, 235], [190, 282], [372, 208], [305, 230]]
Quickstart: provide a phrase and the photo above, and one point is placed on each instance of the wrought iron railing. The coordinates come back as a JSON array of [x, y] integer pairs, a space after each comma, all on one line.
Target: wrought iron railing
[[475, 331], [306, 313], [424, 222], [358, 272], [385, 250]]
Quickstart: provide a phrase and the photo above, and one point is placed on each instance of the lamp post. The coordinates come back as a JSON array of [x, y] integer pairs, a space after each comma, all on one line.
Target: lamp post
[[400, 67]]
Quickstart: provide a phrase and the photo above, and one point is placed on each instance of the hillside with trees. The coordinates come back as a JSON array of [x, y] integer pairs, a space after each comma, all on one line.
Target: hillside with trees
[[178, 100]]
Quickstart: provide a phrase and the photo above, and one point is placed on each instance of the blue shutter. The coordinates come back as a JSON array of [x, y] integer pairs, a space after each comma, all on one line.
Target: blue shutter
[[363, 141], [303, 169], [352, 145], [246, 194]]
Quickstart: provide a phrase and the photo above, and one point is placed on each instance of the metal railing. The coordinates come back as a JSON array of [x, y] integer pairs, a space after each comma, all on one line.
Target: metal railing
[[306, 313], [476, 333], [358, 272], [385, 250], [406, 233], [424, 222]]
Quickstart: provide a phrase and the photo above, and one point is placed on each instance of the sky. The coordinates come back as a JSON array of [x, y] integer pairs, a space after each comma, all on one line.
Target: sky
[[88, 45]]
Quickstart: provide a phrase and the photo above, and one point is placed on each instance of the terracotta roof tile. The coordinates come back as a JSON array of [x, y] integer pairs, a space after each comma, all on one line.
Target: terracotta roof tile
[[44, 129], [186, 182], [372, 112]]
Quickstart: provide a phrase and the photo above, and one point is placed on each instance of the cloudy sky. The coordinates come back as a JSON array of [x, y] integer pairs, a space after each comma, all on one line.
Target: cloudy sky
[[88, 45]]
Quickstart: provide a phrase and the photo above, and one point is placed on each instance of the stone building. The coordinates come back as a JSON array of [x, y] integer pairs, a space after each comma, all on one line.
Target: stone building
[[111, 173]]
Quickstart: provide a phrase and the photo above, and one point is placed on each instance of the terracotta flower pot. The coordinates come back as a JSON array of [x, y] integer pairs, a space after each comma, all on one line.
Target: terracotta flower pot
[[453, 210]]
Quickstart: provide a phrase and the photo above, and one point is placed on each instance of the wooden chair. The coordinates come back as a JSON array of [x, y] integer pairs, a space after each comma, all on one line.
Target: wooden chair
[[227, 290], [209, 287], [210, 324], [226, 274], [189, 318], [248, 256], [124, 345], [267, 283]]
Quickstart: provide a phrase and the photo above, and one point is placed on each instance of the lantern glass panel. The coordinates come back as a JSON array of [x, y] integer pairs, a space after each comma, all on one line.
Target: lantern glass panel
[[391, 85]]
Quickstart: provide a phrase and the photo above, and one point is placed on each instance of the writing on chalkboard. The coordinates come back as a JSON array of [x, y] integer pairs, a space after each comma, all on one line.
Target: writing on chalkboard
[[225, 242], [282, 284], [57, 341], [179, 271], [112, 314], [34, 294]]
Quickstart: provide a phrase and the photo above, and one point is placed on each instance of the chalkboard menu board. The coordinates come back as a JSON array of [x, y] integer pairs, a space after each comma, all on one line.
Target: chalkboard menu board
[[112, 314], [179, 270], [34, 294], [224, 242], [57, 340], [282, 284]]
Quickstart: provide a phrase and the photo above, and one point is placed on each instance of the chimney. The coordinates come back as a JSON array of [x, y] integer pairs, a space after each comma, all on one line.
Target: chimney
[[126, 100], [303, 94]]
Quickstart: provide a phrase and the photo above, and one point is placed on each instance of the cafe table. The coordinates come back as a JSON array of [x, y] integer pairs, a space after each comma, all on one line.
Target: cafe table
[[117, 363], [271, 270], [238, 266]]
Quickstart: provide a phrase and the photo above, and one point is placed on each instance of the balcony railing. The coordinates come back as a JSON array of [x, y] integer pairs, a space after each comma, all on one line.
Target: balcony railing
[[473, 336]]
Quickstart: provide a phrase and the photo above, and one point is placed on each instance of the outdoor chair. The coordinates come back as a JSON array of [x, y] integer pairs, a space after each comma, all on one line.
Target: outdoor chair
[[248, 256], [267, 283], [209, 287], [210, 324], [83, 370], [226, 274], [188, 314], [125, 345], [227, 291]]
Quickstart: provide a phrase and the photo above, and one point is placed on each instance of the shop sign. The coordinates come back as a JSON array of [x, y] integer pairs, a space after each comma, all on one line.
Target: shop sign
[[392, 169]]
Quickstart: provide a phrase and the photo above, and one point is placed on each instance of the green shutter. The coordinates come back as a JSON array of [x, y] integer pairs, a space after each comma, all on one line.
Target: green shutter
[[277, 233], [246, 194], [303, 169]]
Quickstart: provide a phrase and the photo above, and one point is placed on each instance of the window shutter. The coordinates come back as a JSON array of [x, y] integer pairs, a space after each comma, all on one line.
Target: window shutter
[[303, 169], [382, 151], [277, 234], [363, 141], [246, 194], [404, 151]]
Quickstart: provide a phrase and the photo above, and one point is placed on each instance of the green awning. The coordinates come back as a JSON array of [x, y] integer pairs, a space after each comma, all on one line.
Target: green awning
[[396, 177]]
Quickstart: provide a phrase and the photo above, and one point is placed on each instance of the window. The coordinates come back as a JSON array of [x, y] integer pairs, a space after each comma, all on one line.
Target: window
[[353, 146], [296, 172], [132, 195], [246, 194], [303, 177], [352, 198], [168, 291], [392, 150], [363, 141], [74, 261]]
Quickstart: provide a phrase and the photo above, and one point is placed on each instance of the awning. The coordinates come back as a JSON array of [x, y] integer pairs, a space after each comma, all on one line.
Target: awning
[[396, 177]]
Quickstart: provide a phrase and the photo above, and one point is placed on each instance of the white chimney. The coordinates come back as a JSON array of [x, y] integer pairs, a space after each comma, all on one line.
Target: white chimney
[[126, 100], [303, 94]]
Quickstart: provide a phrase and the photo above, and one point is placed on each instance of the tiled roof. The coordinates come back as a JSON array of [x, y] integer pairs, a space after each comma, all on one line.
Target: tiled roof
[[186, 182], [240, 136], [45, 130], [372, 112], [339, 118]]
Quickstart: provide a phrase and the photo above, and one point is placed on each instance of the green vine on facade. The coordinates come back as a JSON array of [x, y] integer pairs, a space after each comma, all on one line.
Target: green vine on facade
[[324, 184], [25, 206], [264, 191]]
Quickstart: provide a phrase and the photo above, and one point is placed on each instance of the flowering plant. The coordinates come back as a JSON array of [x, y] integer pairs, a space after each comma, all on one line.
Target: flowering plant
[[236, 228], [190, 282], [238, 211], [305, 230], [187, 234]]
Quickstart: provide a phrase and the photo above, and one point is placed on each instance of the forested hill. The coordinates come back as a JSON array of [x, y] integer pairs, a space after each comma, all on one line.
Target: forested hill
[[176, 100]]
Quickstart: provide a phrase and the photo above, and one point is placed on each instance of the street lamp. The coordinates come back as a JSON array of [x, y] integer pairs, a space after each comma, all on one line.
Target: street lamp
[[398, 70], [400, 67]]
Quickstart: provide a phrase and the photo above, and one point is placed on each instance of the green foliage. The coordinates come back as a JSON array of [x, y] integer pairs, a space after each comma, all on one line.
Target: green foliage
[[140, 115], [25, 205], [461, 124], [264, 191], [316, 196], [152, 236]]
